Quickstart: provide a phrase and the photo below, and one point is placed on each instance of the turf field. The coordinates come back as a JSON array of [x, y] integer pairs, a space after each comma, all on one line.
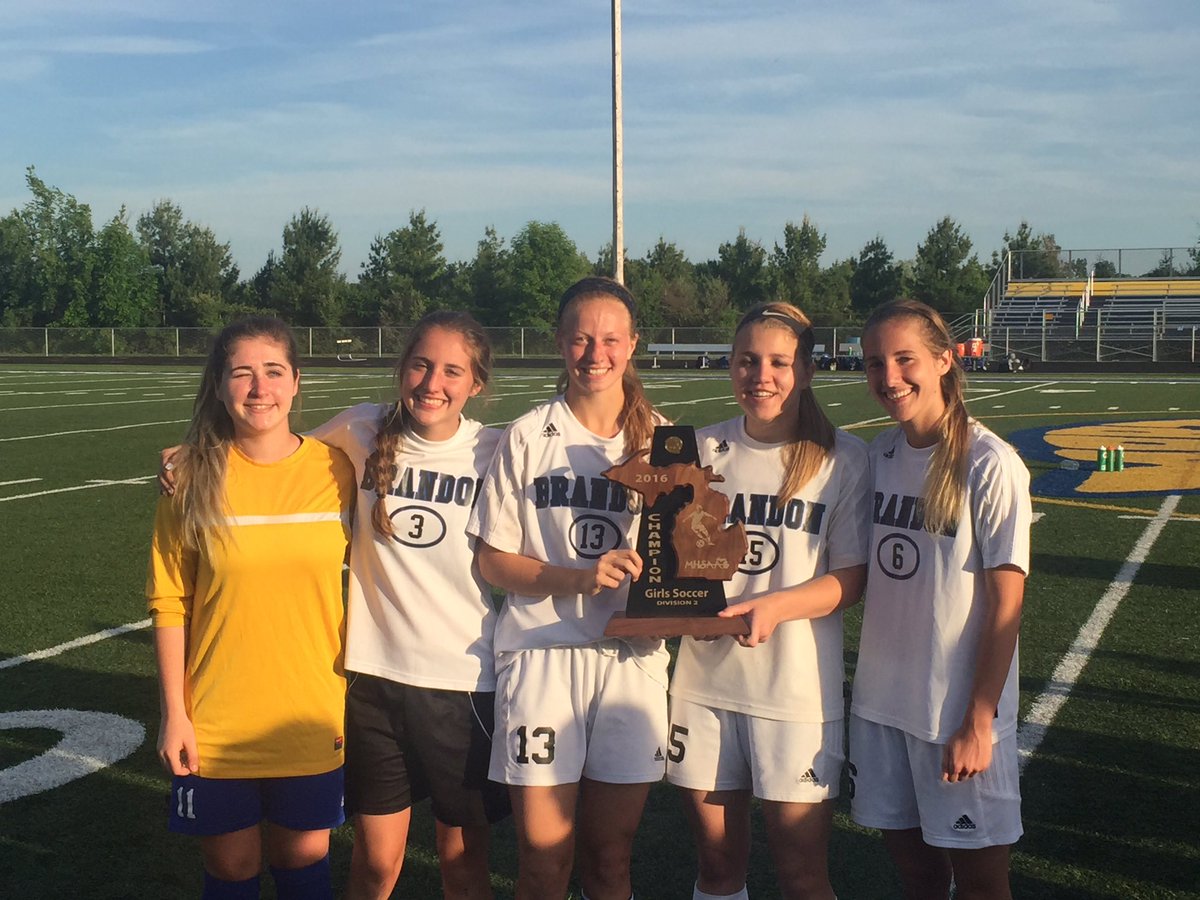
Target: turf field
[[1110, 655]]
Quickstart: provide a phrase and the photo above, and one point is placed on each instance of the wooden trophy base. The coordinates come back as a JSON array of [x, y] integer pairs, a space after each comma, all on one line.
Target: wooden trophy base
[[622, 625]]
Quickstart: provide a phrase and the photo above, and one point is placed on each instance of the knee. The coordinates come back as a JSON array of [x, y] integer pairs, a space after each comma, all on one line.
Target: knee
[[374, 872]]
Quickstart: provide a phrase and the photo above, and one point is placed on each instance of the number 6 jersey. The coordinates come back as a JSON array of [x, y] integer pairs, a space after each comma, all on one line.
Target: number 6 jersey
[[925, 600]]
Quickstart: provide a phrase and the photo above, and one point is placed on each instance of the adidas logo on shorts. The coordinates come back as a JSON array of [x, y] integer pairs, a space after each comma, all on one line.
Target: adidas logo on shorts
[[964, 823], [723, 447], [809, 777], [550, 431]]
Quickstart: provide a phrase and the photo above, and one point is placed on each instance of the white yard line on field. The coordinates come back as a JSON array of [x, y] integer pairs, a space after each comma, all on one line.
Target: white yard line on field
[[92, 483], [1032, 731], [101, 403], [93, 638], [19, 481], [54, 434]]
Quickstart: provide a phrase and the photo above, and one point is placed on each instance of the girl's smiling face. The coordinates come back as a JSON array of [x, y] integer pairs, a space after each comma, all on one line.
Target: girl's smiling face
[[437, 380], [258, 386], [597, 340], [768, 377], [905, 376]]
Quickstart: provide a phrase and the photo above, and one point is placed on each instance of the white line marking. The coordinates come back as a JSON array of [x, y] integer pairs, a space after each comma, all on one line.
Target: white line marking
[[19, 481], [101, 403], [1151, 519], [143, 479], [1045, 708], [93, 638], [30, 437]]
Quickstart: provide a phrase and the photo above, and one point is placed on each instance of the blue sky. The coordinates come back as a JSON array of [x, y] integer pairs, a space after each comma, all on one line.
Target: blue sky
[[873, 117]]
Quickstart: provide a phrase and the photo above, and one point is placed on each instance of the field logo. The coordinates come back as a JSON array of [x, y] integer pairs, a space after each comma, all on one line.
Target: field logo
[[90, 742], [1162, 456]]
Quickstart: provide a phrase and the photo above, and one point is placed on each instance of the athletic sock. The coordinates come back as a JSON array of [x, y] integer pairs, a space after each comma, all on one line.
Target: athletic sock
[[216, 889], [698, 894], [313, 882]]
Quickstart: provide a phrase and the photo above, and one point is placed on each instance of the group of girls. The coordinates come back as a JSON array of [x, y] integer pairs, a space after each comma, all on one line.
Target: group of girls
[[450, 699]]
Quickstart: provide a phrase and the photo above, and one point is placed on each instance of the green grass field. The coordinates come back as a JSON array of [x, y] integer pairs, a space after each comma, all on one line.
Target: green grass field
[[1110, 794]]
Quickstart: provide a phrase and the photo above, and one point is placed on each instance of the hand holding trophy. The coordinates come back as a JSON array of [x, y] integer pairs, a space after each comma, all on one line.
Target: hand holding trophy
[[687, 552]]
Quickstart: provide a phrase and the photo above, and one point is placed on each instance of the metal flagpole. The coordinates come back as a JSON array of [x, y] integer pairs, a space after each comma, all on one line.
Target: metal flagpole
[[618, 176]]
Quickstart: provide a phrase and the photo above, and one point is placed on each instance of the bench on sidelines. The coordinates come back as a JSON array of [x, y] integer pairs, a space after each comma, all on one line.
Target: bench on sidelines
[[345, 350], [702, 351]]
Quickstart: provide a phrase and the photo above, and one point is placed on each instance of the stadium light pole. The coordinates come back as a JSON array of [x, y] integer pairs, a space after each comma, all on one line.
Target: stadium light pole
[[618, 149]]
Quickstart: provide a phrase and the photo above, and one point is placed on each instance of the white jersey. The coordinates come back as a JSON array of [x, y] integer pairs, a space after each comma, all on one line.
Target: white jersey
[[544, 498], [418, 611], [925, 600], [797, 675]]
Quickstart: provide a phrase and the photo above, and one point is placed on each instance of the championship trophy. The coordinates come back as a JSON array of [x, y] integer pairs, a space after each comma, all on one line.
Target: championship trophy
[[687, 552]]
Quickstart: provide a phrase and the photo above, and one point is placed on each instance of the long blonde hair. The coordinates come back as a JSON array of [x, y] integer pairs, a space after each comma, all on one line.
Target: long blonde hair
[[201, 462], [946, 481], [389, 439], [637, 416], [813, 434]]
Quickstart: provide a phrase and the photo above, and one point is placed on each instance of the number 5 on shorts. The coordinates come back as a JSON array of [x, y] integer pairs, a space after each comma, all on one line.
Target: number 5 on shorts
[[677, 749]]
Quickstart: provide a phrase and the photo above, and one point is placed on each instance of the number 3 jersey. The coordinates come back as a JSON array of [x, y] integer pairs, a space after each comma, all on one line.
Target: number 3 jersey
[[418, 611], [545, 498], [925, 599], [797, 674]]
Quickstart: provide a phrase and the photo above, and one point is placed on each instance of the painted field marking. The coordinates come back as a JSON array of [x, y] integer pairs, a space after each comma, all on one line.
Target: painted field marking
[[93, 638], [1032, 731], [1113, 408], [90, 741], [101, 403], [1110, 507], [1056, 407], [92, 483], [19, 481], [54, 434]]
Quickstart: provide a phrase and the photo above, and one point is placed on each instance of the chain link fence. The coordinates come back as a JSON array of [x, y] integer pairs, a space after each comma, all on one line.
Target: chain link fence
[[380, 345]]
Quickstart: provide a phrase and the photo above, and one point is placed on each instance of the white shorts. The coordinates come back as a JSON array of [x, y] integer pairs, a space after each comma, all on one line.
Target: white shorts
[[598, 711], [721, 750], [897, 784]]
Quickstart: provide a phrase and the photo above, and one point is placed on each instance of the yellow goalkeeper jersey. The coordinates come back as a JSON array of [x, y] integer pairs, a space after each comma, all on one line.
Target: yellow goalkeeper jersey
[[264, 615]]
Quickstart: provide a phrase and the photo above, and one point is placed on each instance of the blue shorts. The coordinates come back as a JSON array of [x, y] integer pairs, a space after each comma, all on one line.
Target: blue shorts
[[210, 806]]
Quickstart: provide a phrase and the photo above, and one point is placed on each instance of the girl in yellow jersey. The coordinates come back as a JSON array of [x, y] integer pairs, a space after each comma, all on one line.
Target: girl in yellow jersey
[[245, 590]]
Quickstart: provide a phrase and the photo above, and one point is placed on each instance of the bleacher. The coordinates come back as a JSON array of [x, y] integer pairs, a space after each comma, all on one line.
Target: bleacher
[[1130, 305]]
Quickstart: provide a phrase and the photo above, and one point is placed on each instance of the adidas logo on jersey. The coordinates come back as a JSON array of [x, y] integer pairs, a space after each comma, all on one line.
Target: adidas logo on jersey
[[550, 431], [658, 755], [890, 453], [964, 823], [809, 777], [723, 447]]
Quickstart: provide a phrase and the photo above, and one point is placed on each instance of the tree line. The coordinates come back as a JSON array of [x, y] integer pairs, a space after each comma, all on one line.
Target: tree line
[[57, 269]]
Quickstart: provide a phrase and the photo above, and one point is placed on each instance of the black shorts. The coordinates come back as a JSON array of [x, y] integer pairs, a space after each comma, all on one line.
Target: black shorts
[[406, 743]]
